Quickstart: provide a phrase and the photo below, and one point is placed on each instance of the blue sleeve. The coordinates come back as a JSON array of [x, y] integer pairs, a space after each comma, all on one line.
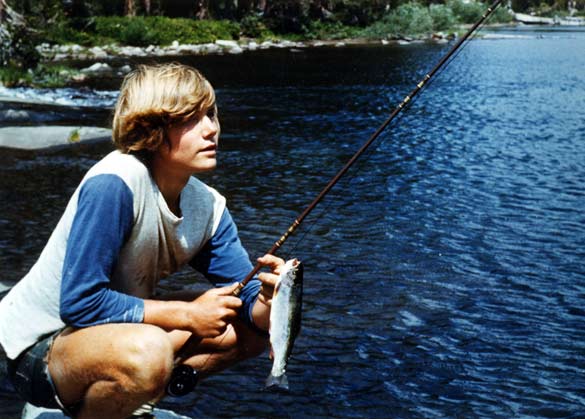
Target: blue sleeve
[[223, 260], [103, 221]]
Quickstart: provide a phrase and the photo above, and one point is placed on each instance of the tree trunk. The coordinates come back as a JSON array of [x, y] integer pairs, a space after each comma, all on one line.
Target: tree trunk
[[7, 14], [147, 7], [129, 8], [202, 9], [261, 6], [16, 45]]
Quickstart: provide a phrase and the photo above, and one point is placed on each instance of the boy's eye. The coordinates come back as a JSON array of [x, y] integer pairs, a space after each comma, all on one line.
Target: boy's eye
[[211, 113]]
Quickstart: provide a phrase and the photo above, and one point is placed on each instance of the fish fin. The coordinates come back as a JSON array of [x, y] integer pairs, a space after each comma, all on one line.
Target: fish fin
[[279, 381]]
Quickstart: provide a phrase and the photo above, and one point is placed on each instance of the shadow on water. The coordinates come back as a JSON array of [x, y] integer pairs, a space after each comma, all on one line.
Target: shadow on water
[[444, 275]]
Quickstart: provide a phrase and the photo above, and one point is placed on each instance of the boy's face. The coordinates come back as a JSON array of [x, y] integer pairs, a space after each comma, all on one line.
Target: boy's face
[[193, 144]]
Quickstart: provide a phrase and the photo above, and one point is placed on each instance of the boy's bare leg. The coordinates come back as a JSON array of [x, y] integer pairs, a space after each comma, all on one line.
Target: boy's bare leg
[[113, 369], [210, 356]]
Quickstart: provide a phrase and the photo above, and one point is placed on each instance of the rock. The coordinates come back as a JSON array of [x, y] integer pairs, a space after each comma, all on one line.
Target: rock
[[97, 68], [227, 44], [210, 48], [49, 136], [14, 116], [99, 53], [4, 286], [125, 69], [79, 78], [33, 412], [235, 50]]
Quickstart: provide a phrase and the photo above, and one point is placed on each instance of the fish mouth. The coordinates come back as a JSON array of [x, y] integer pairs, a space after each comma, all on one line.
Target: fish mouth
[[295, 264]]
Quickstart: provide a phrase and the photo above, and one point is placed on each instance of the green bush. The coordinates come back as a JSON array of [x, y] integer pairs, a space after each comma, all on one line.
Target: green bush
[[136, 33], [252, 26], [13, 76], [40, 76], [63, 33], [502, 15], [160, 30], [467, 12], [330, 30], [410, 19], [442, 17]]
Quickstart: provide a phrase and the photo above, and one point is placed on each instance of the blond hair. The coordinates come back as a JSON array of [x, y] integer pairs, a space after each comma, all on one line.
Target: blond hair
[[152, 97]]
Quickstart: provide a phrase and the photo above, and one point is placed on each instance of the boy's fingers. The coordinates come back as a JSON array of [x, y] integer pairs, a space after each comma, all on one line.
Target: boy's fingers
[[274, 262]]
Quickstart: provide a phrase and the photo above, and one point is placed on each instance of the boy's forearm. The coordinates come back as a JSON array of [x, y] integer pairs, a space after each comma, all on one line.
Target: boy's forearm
[[168, 315]]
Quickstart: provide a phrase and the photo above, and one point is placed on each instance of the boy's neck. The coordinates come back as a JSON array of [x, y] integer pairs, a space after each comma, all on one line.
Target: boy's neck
[[170, 185]]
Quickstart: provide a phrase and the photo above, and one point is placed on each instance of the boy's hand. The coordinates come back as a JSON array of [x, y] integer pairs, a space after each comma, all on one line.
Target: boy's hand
[[213, 311]]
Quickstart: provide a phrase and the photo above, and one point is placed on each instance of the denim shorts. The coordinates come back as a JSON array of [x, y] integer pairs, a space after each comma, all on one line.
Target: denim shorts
[[29, 374]]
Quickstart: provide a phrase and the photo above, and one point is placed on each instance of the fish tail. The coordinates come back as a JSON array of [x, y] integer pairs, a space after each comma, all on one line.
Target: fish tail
[[280, 381]]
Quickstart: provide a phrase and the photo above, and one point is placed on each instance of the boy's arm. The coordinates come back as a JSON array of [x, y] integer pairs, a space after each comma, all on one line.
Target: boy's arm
[[100, 227], [224, 260]]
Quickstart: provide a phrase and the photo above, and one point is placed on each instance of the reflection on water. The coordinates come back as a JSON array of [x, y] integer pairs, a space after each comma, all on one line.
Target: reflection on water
[[444, 274]]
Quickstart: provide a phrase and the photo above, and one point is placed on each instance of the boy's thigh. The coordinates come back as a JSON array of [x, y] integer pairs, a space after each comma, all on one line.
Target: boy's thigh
[[82, 357]]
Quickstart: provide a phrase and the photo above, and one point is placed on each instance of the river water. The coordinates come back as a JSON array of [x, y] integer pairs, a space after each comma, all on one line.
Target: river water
[[444, 276]]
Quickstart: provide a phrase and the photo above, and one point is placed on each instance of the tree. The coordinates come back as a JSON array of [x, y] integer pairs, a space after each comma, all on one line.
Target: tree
[[202, 9], [129, 8], [16, 46], [8, 15]]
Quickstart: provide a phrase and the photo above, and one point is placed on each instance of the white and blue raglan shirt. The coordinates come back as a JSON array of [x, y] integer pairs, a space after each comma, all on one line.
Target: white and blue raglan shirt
[[116, 239]]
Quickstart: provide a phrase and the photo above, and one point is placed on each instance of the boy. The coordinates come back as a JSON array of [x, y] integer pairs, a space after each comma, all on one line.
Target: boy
[[82, 330]]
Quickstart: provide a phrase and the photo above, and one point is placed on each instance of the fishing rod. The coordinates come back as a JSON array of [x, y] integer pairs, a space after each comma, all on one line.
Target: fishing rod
[[297, 222], [183, 379]]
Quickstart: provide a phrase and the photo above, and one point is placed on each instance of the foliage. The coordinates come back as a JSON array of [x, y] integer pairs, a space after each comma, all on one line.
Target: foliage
[[442, 16], [466, 12], [410, 19], [359, 12], [330, 30], [64, 32], [287, 16], [14, 76], [127, 31], [40, 76], [17, 47], [502, 15], [252, 26], [141, 31]]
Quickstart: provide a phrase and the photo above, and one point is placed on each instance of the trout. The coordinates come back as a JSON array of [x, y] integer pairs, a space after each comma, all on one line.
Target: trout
[[285, 320]]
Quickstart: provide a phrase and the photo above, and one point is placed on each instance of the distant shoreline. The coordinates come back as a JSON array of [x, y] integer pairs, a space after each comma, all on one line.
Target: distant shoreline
[[56, 53]]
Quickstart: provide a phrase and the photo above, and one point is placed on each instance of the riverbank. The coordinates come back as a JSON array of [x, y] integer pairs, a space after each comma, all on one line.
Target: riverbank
[[101, 38], [56, 69]]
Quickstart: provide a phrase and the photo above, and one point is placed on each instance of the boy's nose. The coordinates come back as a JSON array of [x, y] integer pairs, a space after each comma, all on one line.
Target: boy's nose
[[209, 126]]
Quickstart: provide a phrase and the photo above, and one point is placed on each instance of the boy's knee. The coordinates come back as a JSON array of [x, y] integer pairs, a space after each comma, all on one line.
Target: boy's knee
[[147, 361]]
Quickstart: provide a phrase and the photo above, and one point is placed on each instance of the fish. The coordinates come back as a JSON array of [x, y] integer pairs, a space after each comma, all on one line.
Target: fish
[[285, 320]]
